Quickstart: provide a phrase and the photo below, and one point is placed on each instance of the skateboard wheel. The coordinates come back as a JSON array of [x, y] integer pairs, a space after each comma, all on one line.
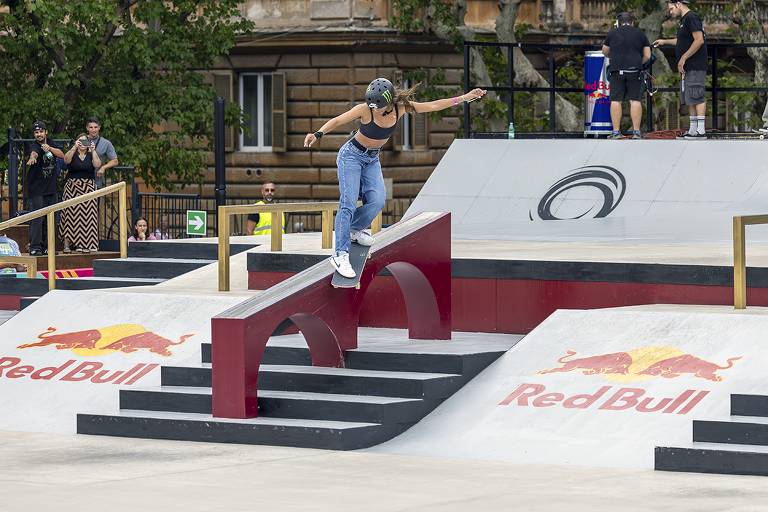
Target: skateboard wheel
[[357, 286]]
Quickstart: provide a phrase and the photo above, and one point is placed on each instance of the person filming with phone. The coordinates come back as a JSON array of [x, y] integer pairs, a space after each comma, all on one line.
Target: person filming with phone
[[41, 183], [79, 224]]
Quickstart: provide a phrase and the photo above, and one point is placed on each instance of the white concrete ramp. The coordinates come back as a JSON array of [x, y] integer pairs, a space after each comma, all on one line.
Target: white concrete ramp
[[597, 189], [601, 388], [70, 351]]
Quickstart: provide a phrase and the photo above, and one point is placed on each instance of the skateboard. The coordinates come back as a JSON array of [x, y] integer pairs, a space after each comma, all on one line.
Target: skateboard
[[753, 135], [358, 254]]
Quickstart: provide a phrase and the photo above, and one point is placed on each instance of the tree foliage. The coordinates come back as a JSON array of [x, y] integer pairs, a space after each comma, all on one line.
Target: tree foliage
[[130, 63]]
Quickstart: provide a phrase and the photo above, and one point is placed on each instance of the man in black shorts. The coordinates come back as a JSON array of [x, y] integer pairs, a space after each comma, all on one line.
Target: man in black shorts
[[628, 48], [691, 52]]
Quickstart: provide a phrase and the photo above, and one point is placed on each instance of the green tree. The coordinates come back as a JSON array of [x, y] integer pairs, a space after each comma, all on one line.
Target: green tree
[[130, 63]]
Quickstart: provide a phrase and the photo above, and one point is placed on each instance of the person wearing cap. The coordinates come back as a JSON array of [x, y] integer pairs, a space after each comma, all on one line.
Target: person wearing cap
[[628, 48], [359, 168], [691, 51], [40, 188]]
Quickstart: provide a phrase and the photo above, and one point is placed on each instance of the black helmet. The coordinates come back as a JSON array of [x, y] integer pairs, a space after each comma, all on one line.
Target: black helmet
[[380, 93]]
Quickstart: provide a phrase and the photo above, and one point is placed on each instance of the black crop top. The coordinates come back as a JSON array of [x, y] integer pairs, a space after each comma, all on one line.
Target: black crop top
[[374, 131], [81, 168]]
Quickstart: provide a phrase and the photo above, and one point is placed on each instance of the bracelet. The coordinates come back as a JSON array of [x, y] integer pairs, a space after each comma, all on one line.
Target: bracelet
[[319, 134]]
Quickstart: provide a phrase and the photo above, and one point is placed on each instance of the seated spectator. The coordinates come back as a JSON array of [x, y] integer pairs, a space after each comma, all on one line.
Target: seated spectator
[[163, 231], [141, 231], [79, 224], [9, 247]]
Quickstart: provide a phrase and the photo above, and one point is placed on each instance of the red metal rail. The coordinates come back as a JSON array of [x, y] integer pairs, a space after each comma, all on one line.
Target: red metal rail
[[416, 251]]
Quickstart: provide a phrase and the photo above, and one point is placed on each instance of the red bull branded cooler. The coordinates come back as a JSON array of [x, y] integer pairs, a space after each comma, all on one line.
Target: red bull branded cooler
[[597, 110]]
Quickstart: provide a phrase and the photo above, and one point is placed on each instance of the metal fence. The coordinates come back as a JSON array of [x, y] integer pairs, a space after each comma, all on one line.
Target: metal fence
[[720, 56], [166, 213]]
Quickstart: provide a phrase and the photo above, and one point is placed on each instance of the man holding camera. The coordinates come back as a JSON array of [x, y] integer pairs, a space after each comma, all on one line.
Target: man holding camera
[[628, 48], [41, 182], [691, 52]]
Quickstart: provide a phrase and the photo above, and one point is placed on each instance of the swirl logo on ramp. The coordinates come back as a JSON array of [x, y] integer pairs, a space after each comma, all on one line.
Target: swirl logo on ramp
[[606, 180]]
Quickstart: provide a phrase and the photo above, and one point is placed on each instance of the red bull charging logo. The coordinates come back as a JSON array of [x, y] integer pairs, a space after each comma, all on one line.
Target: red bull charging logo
[[643, 363], [125, 338]]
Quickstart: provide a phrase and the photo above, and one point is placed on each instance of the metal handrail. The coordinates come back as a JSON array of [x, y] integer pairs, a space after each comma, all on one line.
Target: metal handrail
[[740, 256], [276, 240], [28, 261], [50, 211]]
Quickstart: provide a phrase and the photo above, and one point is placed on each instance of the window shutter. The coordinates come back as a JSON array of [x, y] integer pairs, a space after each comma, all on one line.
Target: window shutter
[[222, 84], [420, 128], [279, 117]]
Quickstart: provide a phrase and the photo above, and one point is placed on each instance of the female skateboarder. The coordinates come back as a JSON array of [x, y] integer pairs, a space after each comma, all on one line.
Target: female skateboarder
[[358, 163]]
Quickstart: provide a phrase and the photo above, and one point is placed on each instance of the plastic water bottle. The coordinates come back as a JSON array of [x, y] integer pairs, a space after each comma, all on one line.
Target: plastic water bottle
[[511, 131]]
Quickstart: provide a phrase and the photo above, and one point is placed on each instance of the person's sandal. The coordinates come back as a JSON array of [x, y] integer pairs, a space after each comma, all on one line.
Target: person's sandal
[[66, 250]]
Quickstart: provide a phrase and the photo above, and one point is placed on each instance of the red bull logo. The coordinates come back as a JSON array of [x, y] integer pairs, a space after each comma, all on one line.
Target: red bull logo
[[125, 338], [71, 371], [535, 395], [643, 363]]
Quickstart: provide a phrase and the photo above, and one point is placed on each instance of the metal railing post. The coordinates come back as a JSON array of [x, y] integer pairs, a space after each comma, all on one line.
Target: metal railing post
[[327, 229], [223, 232], [467, 119], [377, 223], [122, 212], [739, 265], [552, 106], [13, 175], [276, 238], [51, 217], [715, 109]]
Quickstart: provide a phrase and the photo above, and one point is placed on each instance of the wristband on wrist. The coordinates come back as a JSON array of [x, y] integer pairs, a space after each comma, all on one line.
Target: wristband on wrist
[[455, 100], [319, 134]]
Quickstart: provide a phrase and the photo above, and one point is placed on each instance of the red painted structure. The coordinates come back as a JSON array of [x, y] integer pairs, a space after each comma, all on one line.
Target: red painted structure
[[417, 252], [517, 306]]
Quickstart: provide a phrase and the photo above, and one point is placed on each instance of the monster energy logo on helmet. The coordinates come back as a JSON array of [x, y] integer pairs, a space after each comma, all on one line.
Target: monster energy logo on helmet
[[380, 93]]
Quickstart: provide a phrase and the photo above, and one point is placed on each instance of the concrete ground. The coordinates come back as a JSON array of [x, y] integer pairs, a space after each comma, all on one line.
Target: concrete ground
[[83, 473]]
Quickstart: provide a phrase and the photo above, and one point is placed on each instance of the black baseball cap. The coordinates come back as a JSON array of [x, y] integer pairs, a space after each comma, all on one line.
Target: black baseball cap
[[38, 125], [679, 1]]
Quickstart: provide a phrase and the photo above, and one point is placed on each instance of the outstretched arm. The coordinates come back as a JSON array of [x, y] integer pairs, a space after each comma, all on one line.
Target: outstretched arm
[[347, 117], [434, 106]]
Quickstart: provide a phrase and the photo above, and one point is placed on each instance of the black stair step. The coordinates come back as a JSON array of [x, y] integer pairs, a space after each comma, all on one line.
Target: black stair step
[[329, 435], [749, 405], [329, 380], [283, 404], [27, 301], [92, 283], [730, 432], [175, 249], [704, 460], [467, 365], [158, 268]]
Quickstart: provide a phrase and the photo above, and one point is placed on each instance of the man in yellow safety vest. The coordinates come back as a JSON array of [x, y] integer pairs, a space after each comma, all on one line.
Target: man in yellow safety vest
[[262, 224]]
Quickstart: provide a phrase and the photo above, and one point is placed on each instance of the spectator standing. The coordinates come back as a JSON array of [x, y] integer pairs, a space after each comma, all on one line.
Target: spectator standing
[[628, 48], [691, 52], [79, 223], [141, 231], [262, 224], [104, 149], [41, 182], [9, 247]]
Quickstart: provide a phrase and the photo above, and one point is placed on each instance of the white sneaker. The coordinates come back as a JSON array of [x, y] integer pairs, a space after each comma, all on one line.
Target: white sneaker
[[341, 263], [361, 237]]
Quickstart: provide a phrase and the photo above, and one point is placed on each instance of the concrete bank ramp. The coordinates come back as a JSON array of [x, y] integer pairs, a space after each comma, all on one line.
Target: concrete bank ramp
[[656, 190], [70, 351], [600, 388]]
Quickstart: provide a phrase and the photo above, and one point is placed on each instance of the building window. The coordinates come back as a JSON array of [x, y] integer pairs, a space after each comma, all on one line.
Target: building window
[[256, 102]]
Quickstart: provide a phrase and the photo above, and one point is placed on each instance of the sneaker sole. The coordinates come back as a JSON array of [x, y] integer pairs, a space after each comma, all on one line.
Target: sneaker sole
[[336, 268]]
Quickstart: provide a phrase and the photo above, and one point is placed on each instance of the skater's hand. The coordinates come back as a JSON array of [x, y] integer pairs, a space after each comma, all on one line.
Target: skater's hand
[[474, 94], [309, 140]]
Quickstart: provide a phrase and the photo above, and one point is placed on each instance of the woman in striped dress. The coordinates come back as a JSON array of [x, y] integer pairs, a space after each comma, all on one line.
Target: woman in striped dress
[[79, 224]]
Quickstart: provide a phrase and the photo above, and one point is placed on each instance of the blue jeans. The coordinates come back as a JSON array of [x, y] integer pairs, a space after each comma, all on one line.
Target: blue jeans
[[359, 177]]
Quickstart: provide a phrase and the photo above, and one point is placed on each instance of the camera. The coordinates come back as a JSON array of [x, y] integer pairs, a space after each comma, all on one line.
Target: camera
[[84, 142]]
